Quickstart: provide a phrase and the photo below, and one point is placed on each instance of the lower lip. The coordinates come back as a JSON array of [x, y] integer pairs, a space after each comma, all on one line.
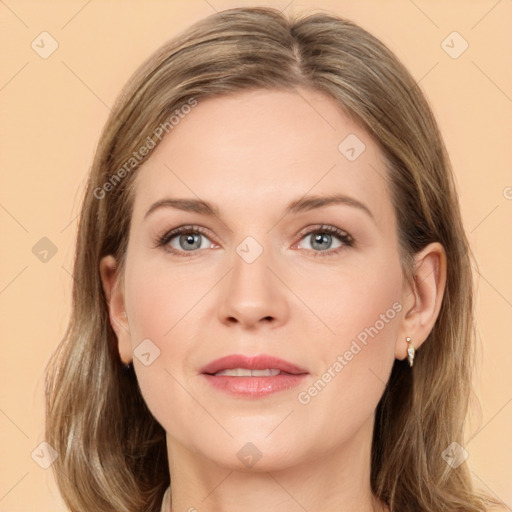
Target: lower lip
[[254, 387]]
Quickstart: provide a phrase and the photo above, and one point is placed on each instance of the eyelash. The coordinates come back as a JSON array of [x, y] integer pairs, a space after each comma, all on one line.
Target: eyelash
[[343, 236]]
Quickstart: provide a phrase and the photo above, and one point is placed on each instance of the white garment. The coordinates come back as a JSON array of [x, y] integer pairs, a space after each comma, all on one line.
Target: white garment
[[166, 501]]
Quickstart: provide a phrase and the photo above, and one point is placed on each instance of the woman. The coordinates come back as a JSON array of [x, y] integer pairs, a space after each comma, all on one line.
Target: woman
[[269, 233]]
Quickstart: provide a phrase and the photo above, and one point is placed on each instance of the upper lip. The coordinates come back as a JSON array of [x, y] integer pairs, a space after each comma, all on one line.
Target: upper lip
[[259, 362]]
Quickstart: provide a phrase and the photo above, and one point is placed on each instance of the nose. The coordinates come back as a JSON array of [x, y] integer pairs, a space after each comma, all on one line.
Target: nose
[[253, 295]]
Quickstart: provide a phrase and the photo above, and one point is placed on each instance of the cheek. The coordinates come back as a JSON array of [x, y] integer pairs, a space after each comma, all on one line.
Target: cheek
[[356, 361], [160, 299], [157, 302], [353, 303]]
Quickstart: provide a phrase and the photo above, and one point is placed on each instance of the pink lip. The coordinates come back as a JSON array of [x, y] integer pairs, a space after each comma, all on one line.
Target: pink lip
[[260, 362], [253, 387]]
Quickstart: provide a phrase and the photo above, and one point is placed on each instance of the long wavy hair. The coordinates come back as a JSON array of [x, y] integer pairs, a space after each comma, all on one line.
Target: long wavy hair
[[112, 451]]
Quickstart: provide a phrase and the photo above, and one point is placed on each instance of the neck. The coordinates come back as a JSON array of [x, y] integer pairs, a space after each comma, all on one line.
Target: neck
[[336, 481]]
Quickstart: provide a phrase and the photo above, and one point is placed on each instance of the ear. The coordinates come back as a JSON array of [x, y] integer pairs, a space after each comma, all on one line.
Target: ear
[[114, 292], [422, 297]]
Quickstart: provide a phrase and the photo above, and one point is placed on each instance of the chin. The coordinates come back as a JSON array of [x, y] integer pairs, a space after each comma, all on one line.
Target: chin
[[248, 453]]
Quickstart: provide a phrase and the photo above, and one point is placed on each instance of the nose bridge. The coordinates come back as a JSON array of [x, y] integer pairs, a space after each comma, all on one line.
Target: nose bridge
[[250, 263], [253, 293]]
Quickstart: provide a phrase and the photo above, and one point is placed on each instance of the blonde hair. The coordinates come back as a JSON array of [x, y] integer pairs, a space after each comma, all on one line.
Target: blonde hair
[[112, 452]]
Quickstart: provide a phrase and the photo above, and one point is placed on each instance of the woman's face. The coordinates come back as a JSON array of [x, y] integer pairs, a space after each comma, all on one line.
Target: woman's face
[[319, 286]]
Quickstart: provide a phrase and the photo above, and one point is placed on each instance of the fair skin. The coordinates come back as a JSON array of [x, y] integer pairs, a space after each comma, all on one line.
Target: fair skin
[[251, 154]]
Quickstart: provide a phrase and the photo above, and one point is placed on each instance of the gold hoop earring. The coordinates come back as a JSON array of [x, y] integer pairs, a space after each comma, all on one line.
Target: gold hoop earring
[[411, 351]]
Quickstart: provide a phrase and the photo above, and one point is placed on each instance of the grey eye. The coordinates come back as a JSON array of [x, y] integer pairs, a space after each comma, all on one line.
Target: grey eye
[[190, 242]]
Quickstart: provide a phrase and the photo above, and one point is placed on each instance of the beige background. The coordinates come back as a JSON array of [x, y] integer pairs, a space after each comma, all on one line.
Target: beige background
[[52, 111]]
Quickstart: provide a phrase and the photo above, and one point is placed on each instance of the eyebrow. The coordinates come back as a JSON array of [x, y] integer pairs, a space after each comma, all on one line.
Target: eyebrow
[[296, 206]]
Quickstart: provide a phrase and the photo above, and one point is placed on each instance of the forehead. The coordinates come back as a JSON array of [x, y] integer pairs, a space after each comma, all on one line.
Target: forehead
[[257, 150]]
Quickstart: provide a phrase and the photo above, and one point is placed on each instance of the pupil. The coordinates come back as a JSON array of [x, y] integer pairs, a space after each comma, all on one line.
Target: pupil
[[322, 238], [189, 239]]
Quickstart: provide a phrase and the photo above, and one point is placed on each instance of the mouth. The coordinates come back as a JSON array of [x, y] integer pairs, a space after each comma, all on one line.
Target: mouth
[[252, 377], [246, 372]]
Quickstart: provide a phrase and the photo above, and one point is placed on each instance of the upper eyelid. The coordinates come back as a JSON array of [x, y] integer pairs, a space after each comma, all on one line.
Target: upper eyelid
[[322, 227]]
